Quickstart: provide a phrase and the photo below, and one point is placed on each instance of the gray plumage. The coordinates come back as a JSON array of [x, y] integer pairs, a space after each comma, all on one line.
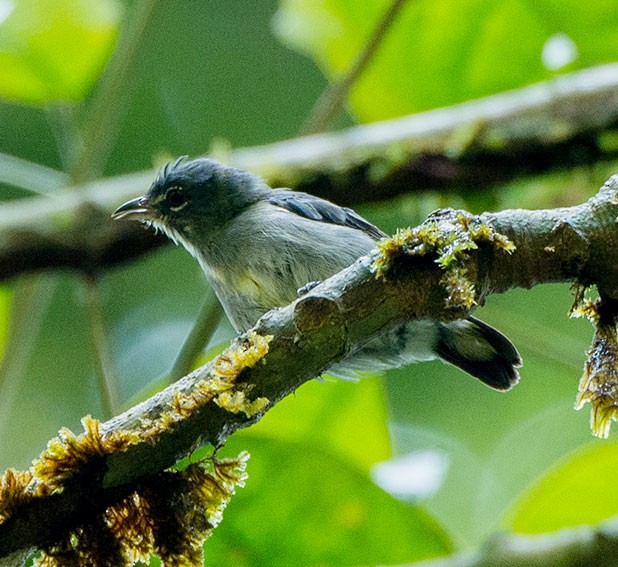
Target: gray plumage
[[258, 246]]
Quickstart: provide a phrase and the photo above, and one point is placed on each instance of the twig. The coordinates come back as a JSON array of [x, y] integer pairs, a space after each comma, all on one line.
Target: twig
[[106, 376], [333, 97], [109, 106], [205, 325]]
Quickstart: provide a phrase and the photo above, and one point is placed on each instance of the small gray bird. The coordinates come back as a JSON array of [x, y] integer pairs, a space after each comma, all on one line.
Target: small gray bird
[[258, 246]]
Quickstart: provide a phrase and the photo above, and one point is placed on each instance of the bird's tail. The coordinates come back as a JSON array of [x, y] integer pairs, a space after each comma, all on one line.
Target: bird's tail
[[479, 350]]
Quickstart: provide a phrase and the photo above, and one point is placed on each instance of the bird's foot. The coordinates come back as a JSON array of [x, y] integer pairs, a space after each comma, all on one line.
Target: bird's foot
[[307, 288]]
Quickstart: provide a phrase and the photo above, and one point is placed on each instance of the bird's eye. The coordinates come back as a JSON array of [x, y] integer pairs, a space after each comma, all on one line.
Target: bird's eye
[[175, 198]]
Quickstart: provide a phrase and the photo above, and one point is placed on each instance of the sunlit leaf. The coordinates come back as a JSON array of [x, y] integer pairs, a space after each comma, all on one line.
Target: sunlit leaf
[[440, 53], [347, 418], [581, 490], [53, 50], [303, 506]]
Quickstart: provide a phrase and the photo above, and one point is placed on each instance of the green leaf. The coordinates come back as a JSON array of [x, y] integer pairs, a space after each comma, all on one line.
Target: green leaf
[[53, 50], [581, 490], [440, 53], [496, 443], [303, 506], [330, 415]]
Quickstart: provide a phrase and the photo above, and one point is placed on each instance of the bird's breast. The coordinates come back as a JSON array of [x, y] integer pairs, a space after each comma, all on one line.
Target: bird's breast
[[259, 289]]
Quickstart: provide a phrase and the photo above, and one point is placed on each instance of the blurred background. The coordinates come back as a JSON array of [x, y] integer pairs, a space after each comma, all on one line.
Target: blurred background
[[95, 94]]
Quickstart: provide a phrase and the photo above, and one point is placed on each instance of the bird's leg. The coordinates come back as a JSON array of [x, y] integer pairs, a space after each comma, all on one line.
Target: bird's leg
[[307, 288]]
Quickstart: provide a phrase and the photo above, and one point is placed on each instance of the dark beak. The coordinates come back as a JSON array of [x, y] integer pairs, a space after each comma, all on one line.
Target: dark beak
[[138, 209]]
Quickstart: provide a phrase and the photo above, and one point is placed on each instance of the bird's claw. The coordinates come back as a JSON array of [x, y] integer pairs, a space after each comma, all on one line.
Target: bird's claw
[[307, 288]]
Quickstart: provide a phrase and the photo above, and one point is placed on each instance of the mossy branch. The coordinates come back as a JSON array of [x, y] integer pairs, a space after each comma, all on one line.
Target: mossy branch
[[79, 477], [551, 125]]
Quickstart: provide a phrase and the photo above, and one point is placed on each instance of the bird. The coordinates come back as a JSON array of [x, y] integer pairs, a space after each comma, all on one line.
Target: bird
[[259, 247]]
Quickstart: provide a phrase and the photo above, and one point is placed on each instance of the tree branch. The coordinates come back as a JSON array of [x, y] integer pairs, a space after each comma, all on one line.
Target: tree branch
[[584, 545], [555, 124], [292, 345]]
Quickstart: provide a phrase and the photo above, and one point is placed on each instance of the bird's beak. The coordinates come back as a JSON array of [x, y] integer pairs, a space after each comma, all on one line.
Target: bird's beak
[[138, 209]]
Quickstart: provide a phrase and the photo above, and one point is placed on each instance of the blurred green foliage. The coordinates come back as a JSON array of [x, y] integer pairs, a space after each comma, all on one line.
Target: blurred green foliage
[[317, 509], [441, 53], [207, 73], [583, 479], [39, 37]]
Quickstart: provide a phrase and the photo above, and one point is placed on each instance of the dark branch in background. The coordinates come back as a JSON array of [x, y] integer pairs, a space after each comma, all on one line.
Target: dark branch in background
[[577, 244], [581, 546], [334, 96], [88, 245], [558, 124]]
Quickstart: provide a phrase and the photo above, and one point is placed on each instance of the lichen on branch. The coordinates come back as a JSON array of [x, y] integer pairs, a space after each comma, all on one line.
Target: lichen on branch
[[599, 382], [489, 253], [448, 237], [169, 513]]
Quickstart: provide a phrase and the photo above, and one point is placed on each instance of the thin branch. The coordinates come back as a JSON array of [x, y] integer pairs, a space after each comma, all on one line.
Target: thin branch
[[577, 244], [104, 367], [109, 106], [332, 99], [469, 145], [206, 324]]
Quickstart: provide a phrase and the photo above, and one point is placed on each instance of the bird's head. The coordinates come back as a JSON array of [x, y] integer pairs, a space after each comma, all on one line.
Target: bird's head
[[191, 200]]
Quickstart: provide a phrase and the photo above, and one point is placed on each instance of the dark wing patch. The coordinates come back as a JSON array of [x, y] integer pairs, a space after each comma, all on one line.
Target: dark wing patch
[[317, 209]]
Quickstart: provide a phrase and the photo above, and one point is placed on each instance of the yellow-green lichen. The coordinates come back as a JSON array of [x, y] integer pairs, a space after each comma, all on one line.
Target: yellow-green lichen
[[139, 526], [64, 458], [170, 515], [599, 382], [221, 385], [15, 490], [66, 454], [449, 241], [584, 306], [236, 402], [246, 352]]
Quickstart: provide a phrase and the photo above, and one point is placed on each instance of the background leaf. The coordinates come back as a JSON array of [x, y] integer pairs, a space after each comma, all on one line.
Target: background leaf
[[54, 50], [336, 516], [492, 445], [580, 489], [441, 53]]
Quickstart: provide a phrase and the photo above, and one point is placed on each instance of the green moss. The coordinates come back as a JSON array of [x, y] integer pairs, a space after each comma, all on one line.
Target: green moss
[[449, 238], [170, 515]]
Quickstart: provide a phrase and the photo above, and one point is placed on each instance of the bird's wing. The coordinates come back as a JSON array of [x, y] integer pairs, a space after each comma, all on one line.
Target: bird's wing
[[317, 209]]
